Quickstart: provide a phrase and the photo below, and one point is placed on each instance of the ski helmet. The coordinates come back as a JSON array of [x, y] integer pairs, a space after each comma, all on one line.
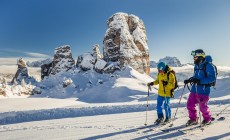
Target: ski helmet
[[161, 66], [197, 53]]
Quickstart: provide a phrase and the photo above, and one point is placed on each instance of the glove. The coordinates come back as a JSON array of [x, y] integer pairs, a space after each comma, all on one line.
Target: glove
[[187, 81], [195, 81], [150, 84], [165, 83]]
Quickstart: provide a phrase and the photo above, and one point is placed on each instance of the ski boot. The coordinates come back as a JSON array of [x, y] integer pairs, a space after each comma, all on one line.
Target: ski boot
[[204, 122], [159, 121], [167, 120], [191, 122]]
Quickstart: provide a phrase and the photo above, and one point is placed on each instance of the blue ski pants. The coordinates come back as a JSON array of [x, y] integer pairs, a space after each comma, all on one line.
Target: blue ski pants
[[166, 101]]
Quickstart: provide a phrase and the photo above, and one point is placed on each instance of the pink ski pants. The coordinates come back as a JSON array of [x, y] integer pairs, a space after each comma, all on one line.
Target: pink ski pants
[[202, 101]]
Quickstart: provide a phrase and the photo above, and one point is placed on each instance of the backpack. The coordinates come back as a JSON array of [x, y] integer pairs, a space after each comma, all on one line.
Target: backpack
[[206, 75], [176, 83]]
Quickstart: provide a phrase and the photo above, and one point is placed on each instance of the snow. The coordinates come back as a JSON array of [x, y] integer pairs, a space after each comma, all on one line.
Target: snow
[[100, 64], [105, 106], [88, 61]]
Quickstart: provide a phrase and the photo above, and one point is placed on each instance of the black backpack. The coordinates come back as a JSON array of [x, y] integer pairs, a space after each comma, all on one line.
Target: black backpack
[[176, 83]]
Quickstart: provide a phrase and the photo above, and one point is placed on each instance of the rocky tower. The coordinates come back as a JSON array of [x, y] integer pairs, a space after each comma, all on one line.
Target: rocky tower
[[96, 52], [125, 42], [63, 60]]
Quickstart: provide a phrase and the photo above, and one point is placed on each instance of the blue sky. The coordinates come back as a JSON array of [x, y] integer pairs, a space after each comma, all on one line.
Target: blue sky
[[174, 27]]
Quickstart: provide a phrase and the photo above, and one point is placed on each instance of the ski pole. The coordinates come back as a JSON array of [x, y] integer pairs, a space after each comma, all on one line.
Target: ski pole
[[222, 110], [177, 106], [147, 106], [196, 86]]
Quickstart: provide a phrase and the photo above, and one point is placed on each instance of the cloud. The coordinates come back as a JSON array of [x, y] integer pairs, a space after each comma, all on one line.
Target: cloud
[[17, 53], [9, 56], [8, 61], [37, 55], [13, 60]]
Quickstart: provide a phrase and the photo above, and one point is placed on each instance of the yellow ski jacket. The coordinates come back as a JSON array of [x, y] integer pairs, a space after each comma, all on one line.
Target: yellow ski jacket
[[165, 91]]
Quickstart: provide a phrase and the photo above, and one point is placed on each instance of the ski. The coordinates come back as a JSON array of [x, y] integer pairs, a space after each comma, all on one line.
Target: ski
[[197, 127], [153, 126], [160, 126], [201, 127], [185, 129], [146, 126], [172, 128]]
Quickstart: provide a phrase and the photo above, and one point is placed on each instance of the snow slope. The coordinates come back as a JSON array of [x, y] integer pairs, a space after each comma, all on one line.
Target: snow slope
[[112, 110]]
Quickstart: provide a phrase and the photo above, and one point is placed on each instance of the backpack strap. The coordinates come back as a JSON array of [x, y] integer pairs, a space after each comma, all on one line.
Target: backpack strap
[[215, 69], [173, 72], [204, 69], [176, 83], [168, 75]]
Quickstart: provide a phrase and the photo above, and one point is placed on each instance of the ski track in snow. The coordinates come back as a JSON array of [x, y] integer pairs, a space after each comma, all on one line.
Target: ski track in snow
[[74, 111], [115, 126]]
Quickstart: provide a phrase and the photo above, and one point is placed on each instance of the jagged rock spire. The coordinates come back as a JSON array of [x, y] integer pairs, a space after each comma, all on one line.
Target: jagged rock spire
[[125, 42]]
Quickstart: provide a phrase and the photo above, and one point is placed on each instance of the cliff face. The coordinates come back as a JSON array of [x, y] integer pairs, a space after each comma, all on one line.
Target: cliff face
[[125, 42], [63, 60]]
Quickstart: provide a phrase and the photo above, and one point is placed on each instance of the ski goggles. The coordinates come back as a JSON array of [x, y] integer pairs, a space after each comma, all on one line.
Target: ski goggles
[[196, 54]]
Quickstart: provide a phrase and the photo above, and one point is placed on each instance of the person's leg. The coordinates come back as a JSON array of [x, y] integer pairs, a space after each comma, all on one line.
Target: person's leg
[[160, 100], [167, 108], [204, 107], [191, 106]]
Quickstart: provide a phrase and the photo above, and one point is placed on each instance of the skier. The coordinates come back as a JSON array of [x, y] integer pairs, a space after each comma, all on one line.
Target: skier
[[166, 81], [201, 83]]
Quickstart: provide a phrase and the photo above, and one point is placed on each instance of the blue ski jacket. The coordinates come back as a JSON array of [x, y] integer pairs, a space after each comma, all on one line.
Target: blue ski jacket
[[199, 74]]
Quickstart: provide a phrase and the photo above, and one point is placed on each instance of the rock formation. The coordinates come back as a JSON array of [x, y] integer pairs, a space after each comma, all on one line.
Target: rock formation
[[125, 42], [63, 60]]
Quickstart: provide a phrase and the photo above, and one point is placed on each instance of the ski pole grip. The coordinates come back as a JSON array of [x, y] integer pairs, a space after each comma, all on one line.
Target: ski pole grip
[[150, 88]]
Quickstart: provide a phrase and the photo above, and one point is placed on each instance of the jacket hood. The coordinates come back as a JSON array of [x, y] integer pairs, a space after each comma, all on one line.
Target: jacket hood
[[208, 58]]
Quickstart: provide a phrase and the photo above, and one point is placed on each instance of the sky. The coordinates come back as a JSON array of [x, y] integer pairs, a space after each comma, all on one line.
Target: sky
[[34, 28]]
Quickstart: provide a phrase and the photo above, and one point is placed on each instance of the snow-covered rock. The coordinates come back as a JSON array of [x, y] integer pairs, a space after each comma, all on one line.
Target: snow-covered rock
[[67, 82], [63, 60], [16, 90], [86, 61], [25, 77], [22, 74], [171, 61], [125, 42], [46, 69], [111, 67], [38, 63], [100, 65], [95, 61], [96, 52]]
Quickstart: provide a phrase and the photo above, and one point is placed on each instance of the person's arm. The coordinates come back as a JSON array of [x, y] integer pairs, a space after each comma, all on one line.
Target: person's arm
[[156, 82]]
